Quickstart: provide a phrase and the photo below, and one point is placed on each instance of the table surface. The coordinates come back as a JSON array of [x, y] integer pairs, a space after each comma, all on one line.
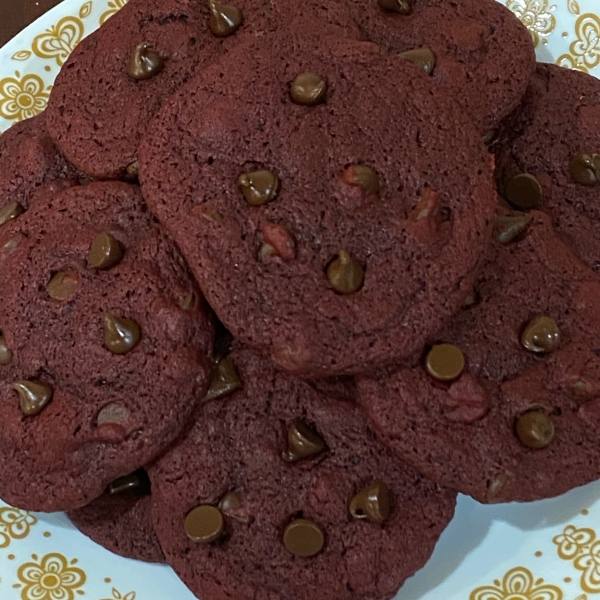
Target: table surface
[[17, 14]]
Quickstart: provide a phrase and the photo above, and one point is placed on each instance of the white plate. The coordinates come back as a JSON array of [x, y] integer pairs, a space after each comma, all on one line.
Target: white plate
[[548, 550]]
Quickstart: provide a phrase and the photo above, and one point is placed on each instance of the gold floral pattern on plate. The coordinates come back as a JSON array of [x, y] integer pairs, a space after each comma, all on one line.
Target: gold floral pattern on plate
[[52, 577], [517, 584], [536, 15], [114, 6], [116, 595], [23, 97], [584, 52], [583, 548], [15, 524]]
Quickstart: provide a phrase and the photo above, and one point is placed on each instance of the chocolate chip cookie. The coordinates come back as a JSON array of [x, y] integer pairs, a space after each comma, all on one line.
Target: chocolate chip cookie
[[120, 520], [104, 347], [548, 156], [316, 230], [281, 492], [29, 159], [118, 77], [504, 402], [462, 44]]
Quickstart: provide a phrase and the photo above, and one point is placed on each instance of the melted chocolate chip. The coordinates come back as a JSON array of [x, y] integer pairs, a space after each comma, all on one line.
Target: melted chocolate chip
[[523, 191], [303, 538], [507, 228], [585, 168], [204, 524], [132, 171], [114, 413], [402, 7], [363, 177], [345, 274], [303, 441], [445, 362], [231, 506], [535, 429], [121, 334], [145, 62], [9, 212], [372, 503], [33, 396], [225, 19], [105, 252], [224, 379], [5, 353], [422, 57], [541, 334], [62, 286], [259, 187], [308, 89], [137, 483]]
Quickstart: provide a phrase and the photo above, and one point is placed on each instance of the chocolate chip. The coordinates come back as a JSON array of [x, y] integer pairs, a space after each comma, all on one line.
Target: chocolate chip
[[259, 187], [145, 62], [113, 413], [204, 524], [372, 503], [121, 334], [33, 396], [585, 168], [62, 286], [422, 57], [224, 379], [189, 302], [523, 191], [496, 484], [303, 538], [363, 177], [132, 171], [280, 239], [105, 252], [535, 429], [137, 483], [402, 7], [345, 274], [5, 353], [9, 212], [541, 334], [303, 441], [308, 89], [225, 19], [231, 506], [445, 362], [507, 228]]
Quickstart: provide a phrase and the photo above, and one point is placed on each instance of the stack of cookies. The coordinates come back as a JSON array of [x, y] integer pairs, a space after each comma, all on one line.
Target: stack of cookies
[[279, 279]]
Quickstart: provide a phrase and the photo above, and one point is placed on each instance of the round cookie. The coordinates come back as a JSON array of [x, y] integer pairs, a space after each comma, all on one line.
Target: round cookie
[[469, 40], [120, 520], [549, 138], [273, 476], [504, 403], [318, 232], [29, 160], [98, 110], [104, 345]]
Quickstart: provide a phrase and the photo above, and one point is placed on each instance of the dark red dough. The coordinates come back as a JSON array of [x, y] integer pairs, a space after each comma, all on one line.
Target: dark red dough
[[29, 159], [559, 118], [464, 437], [97, 113], [61, 459], [470, 39], [122, 524], [237, 117], [236, 444]]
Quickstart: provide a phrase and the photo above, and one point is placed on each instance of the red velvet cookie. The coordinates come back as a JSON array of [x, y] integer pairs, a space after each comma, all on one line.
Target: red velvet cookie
[[468, 44], [121, 521], [282, 492], [548, 156], [104, 345], [118, 77], [333, 210], [504, 403]]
